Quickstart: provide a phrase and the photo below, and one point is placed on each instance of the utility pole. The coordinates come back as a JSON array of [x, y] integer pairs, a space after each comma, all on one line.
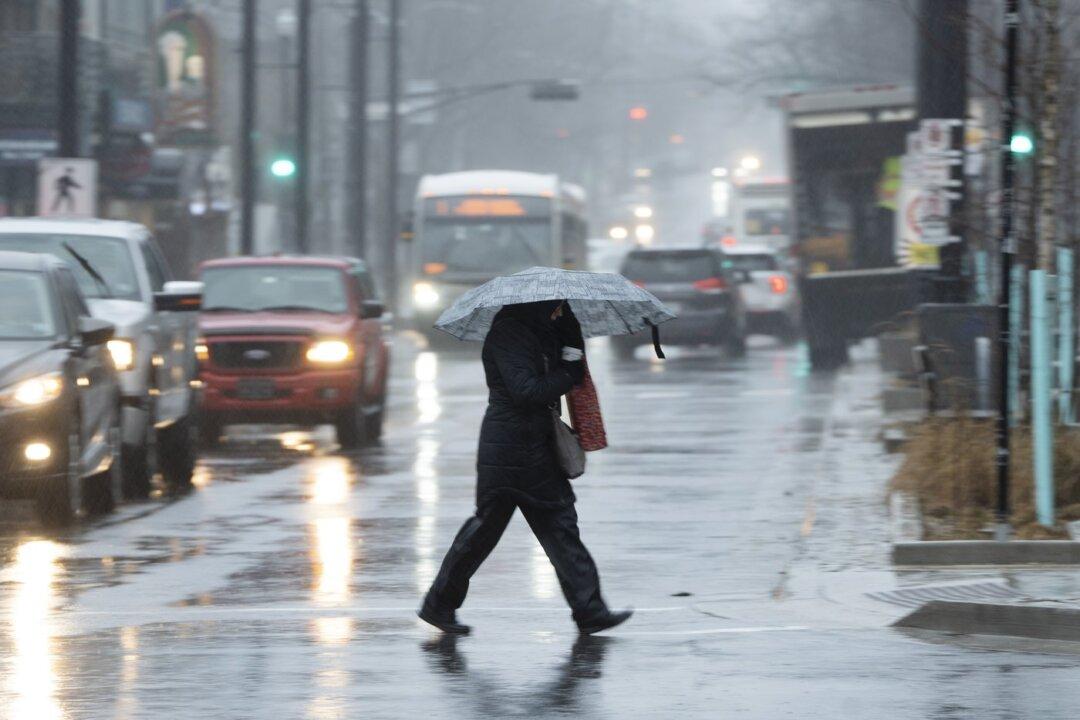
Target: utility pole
[[303, 118], [358, 73], [248, 179], [1008, 250], [67, 121], [390, 290]]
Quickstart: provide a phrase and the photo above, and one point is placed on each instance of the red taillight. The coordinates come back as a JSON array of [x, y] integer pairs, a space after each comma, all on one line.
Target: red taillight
[[778, 284], [729, 241], [710, 285]]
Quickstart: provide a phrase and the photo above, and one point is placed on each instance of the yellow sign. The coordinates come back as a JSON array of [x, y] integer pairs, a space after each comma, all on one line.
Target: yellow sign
[[923, 255]]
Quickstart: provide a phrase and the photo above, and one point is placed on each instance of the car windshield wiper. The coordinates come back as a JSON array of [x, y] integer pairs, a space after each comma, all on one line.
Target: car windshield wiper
[[296, 308], [90, 270], [226, 308]]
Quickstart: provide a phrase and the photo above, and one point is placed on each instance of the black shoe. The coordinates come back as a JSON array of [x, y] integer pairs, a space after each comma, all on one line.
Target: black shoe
[[445, 620], [604, 621]]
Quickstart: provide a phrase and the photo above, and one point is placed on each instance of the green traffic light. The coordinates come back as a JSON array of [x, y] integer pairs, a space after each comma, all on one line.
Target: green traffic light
[[282, 168], [1022, 144]]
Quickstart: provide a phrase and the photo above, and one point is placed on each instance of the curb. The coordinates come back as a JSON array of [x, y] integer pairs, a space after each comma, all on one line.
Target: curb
[[987, 552], [965, 618]]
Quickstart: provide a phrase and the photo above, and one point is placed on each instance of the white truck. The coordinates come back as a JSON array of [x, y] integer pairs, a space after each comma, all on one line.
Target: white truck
[[126, 281], [761, 213]]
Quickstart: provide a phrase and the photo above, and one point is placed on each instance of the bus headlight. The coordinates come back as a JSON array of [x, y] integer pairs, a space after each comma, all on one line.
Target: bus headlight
[[123, 354], [35, 391], [425, 295], [329, 352]]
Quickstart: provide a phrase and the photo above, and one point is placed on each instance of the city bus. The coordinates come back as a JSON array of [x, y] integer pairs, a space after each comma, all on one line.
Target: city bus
[[476, 225]]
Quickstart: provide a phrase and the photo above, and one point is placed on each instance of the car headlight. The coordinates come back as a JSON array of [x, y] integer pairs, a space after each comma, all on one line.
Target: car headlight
[[35, 391], [329, 351], [425, 295], [123, 354]]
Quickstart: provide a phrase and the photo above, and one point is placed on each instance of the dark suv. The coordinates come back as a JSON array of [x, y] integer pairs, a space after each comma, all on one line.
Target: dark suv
[[702, 293]]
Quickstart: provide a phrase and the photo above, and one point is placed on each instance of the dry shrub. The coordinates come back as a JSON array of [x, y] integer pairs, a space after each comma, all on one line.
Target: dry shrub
[[949, 465]]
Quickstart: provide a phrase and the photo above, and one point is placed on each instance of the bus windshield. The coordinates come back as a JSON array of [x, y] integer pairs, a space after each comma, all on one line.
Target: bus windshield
[[475, 246]]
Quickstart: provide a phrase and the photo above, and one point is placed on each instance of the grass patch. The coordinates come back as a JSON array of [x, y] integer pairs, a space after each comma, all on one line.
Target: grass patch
[[949, 466]]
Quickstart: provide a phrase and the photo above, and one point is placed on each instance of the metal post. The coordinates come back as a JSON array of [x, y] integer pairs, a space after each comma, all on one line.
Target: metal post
[[1016, 320], [1042, 431], [248, 179], [67, 121], [941, 79], [1065, 333], [982, 278], [359, 130], [303, 117], [1008, 249], [390, 290]]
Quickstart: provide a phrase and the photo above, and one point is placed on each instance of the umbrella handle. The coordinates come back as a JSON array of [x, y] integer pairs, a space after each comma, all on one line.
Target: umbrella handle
[[655, 338]]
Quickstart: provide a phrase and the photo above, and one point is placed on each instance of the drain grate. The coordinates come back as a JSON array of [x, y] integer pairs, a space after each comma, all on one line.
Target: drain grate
[[983, 591]]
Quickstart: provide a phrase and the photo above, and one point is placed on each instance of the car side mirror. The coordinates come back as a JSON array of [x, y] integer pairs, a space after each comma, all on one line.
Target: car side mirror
[[179, 296], [371, 309], [94, 332]]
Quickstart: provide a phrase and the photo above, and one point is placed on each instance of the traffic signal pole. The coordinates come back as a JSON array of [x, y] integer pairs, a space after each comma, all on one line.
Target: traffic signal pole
[[1008, 250], [248, 178], [358, 132], [303, 119], [67, 121], [389, 254]]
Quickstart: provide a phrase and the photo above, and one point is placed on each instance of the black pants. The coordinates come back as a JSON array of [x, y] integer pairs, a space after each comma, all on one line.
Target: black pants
[[557, 531]]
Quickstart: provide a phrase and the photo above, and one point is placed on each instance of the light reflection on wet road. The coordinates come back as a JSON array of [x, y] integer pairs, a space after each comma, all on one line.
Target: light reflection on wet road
[[740, 508]]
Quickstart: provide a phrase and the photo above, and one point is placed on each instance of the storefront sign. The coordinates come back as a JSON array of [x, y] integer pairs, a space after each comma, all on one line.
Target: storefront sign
[[184, 90]]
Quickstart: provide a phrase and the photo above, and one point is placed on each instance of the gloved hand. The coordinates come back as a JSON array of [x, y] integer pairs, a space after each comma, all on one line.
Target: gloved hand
[[575, 368], [569, 329]]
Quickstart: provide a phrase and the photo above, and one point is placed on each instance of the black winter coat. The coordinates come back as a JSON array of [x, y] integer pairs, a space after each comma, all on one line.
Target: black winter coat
[[525, 377]]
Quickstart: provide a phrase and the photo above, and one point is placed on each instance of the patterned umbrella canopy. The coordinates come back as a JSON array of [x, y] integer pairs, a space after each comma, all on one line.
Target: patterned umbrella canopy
[[604, 303]]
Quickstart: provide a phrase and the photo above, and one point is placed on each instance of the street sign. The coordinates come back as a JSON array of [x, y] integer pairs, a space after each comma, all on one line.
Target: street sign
[[67, 187], [936, 135]]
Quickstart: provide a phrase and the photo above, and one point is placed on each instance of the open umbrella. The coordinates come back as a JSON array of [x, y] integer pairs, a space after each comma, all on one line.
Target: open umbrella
[[604, 303]]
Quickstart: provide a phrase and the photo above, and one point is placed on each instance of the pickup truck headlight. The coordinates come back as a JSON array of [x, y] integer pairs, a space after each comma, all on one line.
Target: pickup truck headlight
[[329, 352], [123, 354], [35, 391], [425, 295]]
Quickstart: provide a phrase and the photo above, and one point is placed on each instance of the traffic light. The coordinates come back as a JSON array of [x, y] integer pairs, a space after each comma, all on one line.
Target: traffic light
[[283, 167], [1022, 144]]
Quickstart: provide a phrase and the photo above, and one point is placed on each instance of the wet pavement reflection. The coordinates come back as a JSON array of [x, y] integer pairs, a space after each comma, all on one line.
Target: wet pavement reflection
[[739, 508]]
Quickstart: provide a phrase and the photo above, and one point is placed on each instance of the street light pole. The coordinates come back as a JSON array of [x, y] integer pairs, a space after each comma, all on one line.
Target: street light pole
[[248, 178], [389, 254], [1008, 250], [358, 132], [67, 125], [303, 117]]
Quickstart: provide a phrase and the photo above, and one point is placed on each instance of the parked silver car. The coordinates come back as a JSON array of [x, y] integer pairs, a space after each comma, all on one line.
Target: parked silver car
[[126, 281]]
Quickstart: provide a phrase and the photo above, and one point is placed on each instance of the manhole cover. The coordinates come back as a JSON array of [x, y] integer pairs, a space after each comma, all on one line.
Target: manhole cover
[[983, 591]]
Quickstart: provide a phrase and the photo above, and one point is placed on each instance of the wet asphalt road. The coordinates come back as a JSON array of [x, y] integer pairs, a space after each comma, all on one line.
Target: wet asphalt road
[[740, 509]]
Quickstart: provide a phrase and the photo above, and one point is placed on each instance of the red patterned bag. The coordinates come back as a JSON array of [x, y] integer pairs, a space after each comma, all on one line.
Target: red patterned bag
[[584, 406]]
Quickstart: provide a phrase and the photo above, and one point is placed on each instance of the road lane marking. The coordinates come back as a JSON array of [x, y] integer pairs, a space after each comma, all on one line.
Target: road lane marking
[[661, 395], [720, 631], [203, 609]]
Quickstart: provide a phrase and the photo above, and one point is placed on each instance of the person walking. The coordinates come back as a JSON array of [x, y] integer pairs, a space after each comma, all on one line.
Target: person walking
[[532, 356]]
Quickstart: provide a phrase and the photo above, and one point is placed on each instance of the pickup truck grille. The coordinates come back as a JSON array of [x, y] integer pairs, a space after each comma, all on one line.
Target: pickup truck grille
[[255, 354]]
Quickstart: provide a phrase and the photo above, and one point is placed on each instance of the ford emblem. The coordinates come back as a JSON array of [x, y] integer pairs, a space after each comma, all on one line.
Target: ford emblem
[[257, 355]]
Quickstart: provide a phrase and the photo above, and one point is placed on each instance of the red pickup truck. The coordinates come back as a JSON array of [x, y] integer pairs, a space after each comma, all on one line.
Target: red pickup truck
[[296, 340]]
